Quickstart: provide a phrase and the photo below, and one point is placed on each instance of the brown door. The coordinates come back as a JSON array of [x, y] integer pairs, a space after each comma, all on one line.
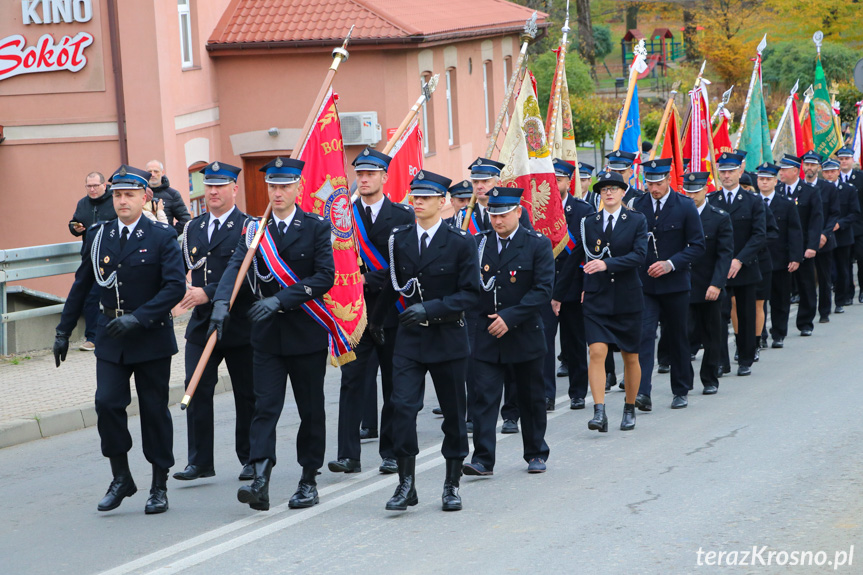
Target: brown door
[[255, 187]]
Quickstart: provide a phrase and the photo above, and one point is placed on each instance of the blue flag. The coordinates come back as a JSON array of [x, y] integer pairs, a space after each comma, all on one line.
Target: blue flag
[[631, 141]]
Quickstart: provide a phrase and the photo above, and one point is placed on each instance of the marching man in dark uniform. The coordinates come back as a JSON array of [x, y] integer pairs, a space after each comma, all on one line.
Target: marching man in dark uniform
[[485, 175], [585, 175], [827, 242], [615, 245], [675, 241], [459, 198], [138, 265], [568, 285], [811, 213], [517, 278], [750, 234], [375, 216], [293, 268], [786, 251], [208, 243], [843, 230], [434, 267], [708, 278], [853, 177]]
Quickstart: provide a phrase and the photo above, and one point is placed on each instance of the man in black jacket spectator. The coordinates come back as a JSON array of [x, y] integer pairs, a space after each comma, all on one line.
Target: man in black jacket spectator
[[96, 206], [175, 208]]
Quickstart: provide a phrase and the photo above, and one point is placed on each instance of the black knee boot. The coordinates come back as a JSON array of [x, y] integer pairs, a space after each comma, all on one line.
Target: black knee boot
[[406, 492], [257, 495], [121, 486], [450, 498], [158, 500]]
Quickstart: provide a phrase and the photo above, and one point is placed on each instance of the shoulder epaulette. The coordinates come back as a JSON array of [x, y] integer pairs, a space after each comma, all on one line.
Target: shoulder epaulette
[[402, 206], [457, 231], [398, 229]]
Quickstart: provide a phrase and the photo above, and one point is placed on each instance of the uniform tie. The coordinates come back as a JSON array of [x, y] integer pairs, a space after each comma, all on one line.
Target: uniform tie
[[282, 228], [504, 242], [369, 214], [609, 227], [124, 235], [485, 223], [215, 229], [730, 197], [766, 202], [424, 243], [656, 211], [788, 191]]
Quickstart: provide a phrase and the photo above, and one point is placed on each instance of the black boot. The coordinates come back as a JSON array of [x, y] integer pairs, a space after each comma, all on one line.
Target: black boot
[[406, 492], [306, 494], [628, 422], [121, 486], [451, 499], [599, 421], [158, 500], [257, 495]]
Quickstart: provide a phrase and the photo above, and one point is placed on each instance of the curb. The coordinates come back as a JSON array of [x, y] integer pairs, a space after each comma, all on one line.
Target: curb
[[18, 431]]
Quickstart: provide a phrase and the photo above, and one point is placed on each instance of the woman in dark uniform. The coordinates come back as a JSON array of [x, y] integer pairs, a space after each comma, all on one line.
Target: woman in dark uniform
[[615, 246]]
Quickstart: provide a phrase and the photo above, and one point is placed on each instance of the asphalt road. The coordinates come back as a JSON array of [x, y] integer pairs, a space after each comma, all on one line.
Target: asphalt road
[[772, 462]]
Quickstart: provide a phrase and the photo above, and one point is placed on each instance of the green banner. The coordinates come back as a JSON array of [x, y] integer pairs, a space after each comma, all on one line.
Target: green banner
[[823, 126], [755, 137]]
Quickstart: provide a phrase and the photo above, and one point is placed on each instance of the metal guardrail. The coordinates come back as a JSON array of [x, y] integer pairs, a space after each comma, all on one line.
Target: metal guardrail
[[30, 263]]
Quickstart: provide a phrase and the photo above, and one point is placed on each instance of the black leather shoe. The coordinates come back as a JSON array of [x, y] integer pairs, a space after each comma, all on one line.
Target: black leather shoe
[[194, 472], [562, 370], [437, 411], [388, 466], [719, 372], [599, 421], [509, 426], [406, 492], [778, 343], [824, 319], [450, 499], [247, 473], [726, 369], [679, 402], [622, 385], [628, 421], [795, 299], [576, 403], [366, 433], [757, 355], [122, 485], [805, 332], [710, 390], [663, 368], [476, 469], [762, 344], [744, 370], [736, 354], [839, 309], [609, 381], [860, 297], [643, 402], [306, 494], [257, 495], [536, 465], [549, 404], [469, 426], [345, 465], [158, 500]]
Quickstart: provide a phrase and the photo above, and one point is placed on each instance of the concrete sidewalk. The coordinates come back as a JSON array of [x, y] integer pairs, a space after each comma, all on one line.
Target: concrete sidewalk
[[39, 400]]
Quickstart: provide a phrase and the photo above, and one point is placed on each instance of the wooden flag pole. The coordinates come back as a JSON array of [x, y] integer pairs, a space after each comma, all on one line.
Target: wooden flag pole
[[785, 114], [339, 54], [528, 35], [663, 124], [428, 89], [558, 88], [630, 90], [688, 114]]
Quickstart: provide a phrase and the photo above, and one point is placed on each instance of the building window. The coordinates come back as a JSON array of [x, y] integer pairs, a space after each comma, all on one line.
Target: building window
[[488, 92], [507, 64], [185, 33], [428, 121], [452, 106]]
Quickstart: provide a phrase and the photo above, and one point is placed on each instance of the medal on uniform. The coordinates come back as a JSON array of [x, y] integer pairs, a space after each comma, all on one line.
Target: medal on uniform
[[101, 270], [195, 250], [596, 249], [512, 277], [106, 259], [485, 268]]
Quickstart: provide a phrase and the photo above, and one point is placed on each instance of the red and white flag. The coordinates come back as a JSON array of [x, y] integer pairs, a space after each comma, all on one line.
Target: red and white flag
[[324, 191], [407, 161], [697, 143], [721, 136], [528, 162]]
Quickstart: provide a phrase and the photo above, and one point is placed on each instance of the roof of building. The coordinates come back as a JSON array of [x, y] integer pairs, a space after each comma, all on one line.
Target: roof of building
[[289, 23]]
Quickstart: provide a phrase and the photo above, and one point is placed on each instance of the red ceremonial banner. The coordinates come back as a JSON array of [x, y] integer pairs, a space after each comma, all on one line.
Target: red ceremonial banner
[[407, 161], [721, 137], [324, 191], [671, 149], [697, 144]]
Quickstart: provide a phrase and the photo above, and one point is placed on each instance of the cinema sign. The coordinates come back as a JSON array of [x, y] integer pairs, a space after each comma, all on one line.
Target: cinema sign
[[51, 52]]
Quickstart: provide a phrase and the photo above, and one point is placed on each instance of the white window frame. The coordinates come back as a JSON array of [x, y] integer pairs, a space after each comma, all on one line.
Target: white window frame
[[505, 75], [449, 107], [183, 9], [485, 66]]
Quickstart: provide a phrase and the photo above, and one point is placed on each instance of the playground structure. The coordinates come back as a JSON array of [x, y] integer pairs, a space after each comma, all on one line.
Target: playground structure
[[661, 49]]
